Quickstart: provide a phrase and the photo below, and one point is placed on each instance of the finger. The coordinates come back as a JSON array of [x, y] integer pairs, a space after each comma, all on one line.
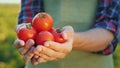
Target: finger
[[67, 28], [67, 32], [36, 56], [19, 43], [34, 61], [41, 60], [22, 50], [29, 55], [28, 45], [59, 47], [64, 35], [47, 53], [37, 50], [44, 56], [53, 45]]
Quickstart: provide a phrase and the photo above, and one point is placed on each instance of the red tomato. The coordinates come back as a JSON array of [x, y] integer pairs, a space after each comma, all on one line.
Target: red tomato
[[43, 36], [42, 22], [26, 33], [57, 35]]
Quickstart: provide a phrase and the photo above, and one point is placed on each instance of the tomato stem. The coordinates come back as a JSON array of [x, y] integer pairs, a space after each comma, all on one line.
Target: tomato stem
[[28, 26], [58, 30], [42, 15]]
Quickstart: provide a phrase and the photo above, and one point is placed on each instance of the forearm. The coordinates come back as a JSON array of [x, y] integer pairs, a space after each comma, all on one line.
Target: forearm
[[92, 40]]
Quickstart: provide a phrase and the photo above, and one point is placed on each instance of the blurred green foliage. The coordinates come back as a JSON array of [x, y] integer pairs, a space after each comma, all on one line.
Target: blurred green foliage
[[116, 57], [9, 56]]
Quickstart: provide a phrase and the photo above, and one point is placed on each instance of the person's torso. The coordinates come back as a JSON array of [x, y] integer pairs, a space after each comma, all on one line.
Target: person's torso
[[80, 14]]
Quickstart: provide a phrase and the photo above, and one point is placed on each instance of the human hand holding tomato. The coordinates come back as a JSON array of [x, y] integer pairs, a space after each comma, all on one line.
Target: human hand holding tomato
[[26, 33], [53, 50], [41, 33], [41, 22], [25, 48]]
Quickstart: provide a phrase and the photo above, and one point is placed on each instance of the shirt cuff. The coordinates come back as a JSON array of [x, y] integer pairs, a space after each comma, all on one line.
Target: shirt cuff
[[111, 27]]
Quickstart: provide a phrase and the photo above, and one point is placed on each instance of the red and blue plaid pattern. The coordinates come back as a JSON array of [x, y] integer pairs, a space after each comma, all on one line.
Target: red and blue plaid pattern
[[107, 17]]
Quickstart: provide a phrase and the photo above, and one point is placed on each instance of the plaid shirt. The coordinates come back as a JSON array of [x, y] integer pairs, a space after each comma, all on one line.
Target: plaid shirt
[[107, 17]]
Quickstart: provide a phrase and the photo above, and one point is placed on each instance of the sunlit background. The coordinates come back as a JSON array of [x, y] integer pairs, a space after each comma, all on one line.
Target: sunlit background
[[9, 56], [10, 1]]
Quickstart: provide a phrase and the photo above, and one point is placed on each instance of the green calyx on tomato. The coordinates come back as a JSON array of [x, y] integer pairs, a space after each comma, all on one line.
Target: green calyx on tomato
[[42, 16], [28, 26], [57, 35], [42, 22], [26, 33]]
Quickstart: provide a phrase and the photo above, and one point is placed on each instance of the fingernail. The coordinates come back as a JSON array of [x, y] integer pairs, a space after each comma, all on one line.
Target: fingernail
[[31, 41], [22, 43]]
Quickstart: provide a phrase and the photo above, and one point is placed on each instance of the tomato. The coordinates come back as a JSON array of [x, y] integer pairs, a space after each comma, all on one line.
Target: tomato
[[42, 22], [57, 35], [43, 36], [26, 33]]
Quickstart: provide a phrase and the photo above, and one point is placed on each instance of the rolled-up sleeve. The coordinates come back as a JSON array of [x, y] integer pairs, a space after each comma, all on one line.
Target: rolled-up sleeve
[[29, 8], [108, 17]]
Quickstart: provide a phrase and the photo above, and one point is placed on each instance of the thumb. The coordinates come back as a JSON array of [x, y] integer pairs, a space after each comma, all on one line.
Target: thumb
[[67, 32]]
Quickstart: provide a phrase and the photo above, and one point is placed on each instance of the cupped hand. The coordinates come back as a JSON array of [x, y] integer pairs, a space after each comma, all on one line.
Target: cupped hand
[[52, 51], [25, 49]]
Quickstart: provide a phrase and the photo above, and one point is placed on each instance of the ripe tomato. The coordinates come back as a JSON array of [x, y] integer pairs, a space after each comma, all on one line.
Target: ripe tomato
[[42, 22], [43, 36], [57, 35], [26, 33]]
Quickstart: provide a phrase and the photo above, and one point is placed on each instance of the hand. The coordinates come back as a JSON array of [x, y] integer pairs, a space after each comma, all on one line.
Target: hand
[[51, 50], [24, 48]]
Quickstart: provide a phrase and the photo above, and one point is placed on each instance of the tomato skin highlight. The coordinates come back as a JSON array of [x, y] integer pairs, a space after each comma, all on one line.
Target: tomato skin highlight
[[57, 35], [43, 36], [42, 22], [26, 34]]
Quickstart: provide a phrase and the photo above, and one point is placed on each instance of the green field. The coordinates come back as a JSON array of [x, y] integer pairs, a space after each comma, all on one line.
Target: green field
[[9, 56]]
